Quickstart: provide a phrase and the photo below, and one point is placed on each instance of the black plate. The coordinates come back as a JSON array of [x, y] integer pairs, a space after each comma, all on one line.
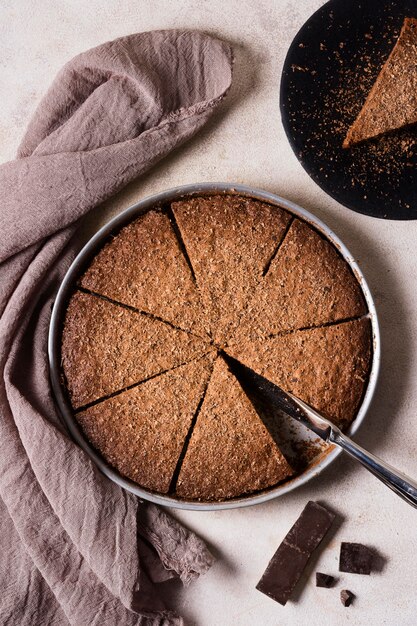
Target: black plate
[[329, 69]]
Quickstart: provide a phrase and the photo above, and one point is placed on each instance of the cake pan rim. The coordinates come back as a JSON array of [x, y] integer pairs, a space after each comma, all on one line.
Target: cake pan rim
[[92, 247]]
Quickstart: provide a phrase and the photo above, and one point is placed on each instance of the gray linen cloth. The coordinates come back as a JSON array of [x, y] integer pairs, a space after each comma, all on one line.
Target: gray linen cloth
[[74, 547]]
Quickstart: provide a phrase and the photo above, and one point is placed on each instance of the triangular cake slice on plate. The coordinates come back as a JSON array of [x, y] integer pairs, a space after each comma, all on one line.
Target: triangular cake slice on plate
[[106, 347], [327, 367], [392, 101], [230, 452], [229, 239], [308, 284], [145, 268], [141, 432]]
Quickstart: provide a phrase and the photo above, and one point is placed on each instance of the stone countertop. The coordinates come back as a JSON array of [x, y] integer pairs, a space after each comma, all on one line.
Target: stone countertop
[[247, 144]]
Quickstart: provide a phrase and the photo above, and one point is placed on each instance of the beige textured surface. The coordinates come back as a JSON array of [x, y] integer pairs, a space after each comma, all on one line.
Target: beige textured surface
[[141, 432], [230, 451], [106, 347], [248, 145]]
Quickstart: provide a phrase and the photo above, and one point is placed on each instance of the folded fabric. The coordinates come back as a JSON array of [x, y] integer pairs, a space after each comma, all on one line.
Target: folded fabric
[[75, 548]]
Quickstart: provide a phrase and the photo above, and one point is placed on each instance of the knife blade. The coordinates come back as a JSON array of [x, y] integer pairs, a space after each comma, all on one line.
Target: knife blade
[[400, 483], [280, 399]]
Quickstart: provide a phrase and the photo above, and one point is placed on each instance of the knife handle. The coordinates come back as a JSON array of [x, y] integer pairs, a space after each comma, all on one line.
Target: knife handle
[[403, 486]]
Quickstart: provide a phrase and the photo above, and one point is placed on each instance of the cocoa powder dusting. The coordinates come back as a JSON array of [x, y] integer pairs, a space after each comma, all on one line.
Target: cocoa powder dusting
[[388, 154], [341, 60]]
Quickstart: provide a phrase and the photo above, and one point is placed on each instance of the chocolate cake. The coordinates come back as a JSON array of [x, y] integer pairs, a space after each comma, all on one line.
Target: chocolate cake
[[230, 240], [106, 348], [230, 452], [151, 322], [141, 432], [327, 367], [157, 280], [307, 284], [392, 101]]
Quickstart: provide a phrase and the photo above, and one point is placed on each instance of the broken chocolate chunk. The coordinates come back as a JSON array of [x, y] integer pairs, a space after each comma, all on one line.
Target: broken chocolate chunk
[[288, 563], [355, 558], [346, 597], [324, 580]]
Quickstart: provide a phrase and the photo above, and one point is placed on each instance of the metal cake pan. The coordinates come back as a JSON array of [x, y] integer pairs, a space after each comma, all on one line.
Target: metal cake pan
[[83, 259]]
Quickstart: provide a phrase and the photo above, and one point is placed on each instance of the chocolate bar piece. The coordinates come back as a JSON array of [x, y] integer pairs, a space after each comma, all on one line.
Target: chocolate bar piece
[[355, 558], [288, 563], [346, 597], [324, 580]]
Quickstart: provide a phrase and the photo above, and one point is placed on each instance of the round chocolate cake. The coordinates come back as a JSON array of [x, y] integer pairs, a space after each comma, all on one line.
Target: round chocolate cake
[[165, 310]]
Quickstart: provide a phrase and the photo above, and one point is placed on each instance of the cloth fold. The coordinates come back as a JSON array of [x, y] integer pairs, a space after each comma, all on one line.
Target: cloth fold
[[86, 551]]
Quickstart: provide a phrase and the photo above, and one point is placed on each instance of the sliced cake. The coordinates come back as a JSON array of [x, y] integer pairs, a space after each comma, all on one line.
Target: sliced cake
[[144, 267], [106, 347], [146, 331], [392, 101], [308, 284], [141, 431], [230, 452], [327, 367], [229, 240]]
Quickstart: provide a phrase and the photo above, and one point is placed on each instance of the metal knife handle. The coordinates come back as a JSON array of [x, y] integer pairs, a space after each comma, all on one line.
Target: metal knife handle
[[395, 480]]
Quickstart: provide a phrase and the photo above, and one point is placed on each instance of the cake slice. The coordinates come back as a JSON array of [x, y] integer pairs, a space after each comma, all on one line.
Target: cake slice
[[327, 367], [392, 101], [308, 284], [141, 432], [230, 452], [144, 267], [229, 240], [106, 347]]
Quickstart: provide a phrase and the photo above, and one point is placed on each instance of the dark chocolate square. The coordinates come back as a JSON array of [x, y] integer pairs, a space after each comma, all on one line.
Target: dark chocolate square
[[355, 558], [289, 561], [283, 573], [324, 580], [346, 597]]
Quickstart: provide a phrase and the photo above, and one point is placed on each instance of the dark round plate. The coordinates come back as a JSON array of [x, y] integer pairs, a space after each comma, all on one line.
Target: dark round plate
[[330, 67]]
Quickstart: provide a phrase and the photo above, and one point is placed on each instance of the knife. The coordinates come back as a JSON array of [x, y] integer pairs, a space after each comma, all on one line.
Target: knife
[[295, 408]]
